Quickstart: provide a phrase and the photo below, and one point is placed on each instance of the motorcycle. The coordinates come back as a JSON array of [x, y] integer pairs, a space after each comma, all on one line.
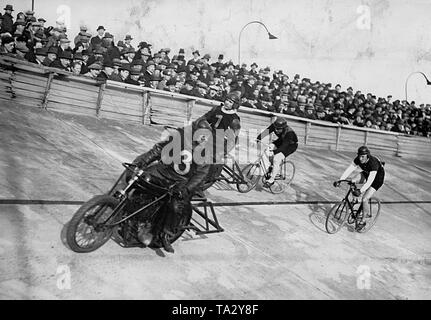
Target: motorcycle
[[131, 214]]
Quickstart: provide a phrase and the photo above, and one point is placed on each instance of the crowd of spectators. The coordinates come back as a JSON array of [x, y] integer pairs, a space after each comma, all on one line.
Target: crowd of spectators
[[97, 56]]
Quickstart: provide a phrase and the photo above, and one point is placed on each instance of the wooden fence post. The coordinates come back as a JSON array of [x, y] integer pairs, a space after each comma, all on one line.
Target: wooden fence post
[[47, 90], [11, 81], [146, 108], [307, 132], [189, 109], [338, 137], [100, 98]]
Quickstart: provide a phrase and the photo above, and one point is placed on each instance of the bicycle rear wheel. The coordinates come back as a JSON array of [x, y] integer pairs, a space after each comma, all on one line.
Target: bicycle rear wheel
[[374, 209], [251, 174], [336, 217]]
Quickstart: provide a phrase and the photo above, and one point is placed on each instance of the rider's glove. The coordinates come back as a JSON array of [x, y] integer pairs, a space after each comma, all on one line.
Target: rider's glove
[[356, 192], [180, 193], [336, 184]]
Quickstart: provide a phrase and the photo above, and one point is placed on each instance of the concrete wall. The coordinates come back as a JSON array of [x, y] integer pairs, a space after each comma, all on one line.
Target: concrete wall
[[372, 45]]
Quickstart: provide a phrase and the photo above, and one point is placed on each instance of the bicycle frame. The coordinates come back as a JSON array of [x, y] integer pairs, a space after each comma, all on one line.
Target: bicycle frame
[[281, 175], [352, 186]]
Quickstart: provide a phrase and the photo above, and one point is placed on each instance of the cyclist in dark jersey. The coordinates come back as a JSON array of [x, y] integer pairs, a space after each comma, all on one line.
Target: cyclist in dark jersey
[[373, 174], [278, 150]]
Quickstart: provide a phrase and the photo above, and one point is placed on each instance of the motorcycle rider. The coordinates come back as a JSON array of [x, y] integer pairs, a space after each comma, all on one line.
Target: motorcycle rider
[[278, 150], [187, 168], [224, 117]]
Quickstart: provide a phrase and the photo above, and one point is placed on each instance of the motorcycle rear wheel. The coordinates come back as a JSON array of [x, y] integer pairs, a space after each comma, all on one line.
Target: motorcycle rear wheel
[[81, 236]]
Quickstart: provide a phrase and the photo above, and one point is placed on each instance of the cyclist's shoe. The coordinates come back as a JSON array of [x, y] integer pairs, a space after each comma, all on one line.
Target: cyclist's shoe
[[167, 245], [268, 184], [360, 226]]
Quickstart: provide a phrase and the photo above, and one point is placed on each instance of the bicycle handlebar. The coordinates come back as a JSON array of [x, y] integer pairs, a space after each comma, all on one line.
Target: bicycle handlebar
[[349, 182]]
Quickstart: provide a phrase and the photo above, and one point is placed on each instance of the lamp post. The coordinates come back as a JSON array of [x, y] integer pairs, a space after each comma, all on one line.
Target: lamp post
[[407, 80], [270, 36]]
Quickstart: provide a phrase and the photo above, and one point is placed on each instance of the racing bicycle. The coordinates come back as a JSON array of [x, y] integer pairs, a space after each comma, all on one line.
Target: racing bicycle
[[253, 171], [349, 210]]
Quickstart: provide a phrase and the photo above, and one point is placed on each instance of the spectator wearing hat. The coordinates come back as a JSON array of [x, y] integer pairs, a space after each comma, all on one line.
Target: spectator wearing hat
[[76, 68], [171, 85], [253, 71], [97, 40], [98, 55], [84, 63], [124, 72], [219, 62], [154, 81], [42, 22], [64, 45], [128, 55], [128, 42], [251, 100], [39, 39], [204, 76], [7, 46], [164, 55], [115, 76], [34, 27], [157, 58], [93, 70], [54, 38], [112, 51], [81, 35], [320, 114], [107, 70], [29, 15], [309, 112], [148, 74], [51, 56], [40, 55], [212, 92], [165, 77], [63, 62], [79, 47], [188, 87], [7, 21], [134, 77], [143, 52], [19, 28], [195, 58]]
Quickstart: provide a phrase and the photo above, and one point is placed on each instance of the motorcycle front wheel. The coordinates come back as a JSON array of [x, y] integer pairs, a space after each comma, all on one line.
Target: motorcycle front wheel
[[86, 231]]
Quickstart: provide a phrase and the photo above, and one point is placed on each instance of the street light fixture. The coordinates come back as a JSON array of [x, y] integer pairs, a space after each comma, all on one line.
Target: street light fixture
[[407, 80], [270, 36]]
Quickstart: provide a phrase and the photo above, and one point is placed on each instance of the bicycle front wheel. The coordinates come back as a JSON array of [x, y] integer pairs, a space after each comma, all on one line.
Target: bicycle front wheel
[[251, 174], [336, 217], [374, 206]]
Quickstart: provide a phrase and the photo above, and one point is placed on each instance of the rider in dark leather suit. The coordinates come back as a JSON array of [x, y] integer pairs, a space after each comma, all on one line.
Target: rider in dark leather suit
[[184, 167]]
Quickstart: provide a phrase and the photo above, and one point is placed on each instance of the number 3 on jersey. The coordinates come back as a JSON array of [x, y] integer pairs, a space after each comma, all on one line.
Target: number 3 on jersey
[[186, 160]]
